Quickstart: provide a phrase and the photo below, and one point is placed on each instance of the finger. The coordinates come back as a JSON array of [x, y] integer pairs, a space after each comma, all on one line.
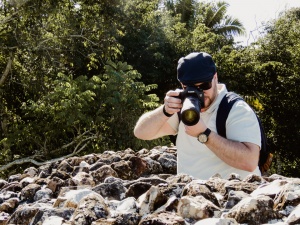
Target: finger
[[173, 100], [173, 93], [171, 108], [172, 103]]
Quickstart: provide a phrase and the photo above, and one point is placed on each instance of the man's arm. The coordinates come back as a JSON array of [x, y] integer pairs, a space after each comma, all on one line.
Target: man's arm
[[154, 124], [241, 155]]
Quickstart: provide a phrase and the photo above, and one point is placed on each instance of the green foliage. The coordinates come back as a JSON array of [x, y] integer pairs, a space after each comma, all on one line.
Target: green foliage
[[162, 36], [150, 45], [100, 111], [276, 77], [77, 75], [205, 40]]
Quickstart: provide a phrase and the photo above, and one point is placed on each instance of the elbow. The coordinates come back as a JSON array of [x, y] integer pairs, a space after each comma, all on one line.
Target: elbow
[[251, 168], [250, 165], [138, 134]]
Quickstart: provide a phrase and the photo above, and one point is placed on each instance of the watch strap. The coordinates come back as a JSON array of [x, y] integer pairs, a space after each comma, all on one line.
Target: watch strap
[[165, 112], [207, 132]]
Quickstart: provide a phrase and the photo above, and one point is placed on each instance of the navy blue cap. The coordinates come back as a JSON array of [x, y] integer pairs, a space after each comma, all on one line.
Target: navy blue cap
[[196, 67]]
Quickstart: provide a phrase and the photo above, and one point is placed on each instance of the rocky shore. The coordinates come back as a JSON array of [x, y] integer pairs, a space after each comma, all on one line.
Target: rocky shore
[[139, 188]]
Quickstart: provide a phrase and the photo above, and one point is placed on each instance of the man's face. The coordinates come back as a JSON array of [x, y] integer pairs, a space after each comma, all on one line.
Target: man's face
[[210, 91]]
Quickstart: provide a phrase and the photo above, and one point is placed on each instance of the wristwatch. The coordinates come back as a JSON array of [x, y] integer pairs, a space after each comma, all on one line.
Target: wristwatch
[[203, 137]]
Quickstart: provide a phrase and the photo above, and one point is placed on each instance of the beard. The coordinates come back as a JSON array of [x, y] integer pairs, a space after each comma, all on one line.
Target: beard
[[208, 100]]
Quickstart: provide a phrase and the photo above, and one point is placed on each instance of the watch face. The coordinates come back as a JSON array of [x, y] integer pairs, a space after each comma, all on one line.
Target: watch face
[[202, 138]]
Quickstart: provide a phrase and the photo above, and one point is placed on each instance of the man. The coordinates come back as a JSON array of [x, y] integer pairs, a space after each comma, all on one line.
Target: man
[[198, 157]]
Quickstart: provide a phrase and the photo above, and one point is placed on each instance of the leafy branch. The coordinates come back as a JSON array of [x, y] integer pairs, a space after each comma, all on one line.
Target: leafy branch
[[7, 69], [32, 159]]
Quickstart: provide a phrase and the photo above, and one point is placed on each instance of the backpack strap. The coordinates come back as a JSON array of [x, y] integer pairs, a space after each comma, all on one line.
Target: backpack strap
[[223, 111]]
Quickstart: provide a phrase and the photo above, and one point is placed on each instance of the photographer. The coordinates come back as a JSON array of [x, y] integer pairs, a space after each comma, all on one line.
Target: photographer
[[201, 152]]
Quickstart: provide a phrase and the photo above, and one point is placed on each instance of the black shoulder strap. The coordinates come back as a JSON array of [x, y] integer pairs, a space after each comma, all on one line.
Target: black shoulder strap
[[223, 111]]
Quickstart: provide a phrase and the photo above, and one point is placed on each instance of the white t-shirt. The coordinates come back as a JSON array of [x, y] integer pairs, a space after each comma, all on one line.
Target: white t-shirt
[[196, 159]]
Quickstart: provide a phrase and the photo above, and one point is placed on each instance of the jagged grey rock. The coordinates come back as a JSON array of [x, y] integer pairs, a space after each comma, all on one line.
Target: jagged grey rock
[[142, 187]]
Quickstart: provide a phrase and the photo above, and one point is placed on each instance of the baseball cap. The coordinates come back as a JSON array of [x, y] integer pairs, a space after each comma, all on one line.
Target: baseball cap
[[196, 67]]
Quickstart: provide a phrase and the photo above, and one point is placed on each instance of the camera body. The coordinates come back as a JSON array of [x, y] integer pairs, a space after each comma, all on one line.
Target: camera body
[[192, 100]]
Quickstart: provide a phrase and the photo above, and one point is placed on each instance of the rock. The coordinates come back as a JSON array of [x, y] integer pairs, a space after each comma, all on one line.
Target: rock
[[44, 193], [90, 208], [139, 166], [289, 195], [103, 172], [65, 166], [123, 169], [27, 180], [269, 189], [154, 167], [4, 218], [53, 220], [31, 171], [246, 210], [83, 179], [45, 170], [237, 185], [294, 217], [55, 184], [5, 195], [195, 189], [23, 215], [136, 188], [168, 162], [235, 197], [165, 218], [2, 183], [29, 191], [112, 190], [71, 198], [217, 221], [9, 205], [197, 208], [14, 186], [150, 201]]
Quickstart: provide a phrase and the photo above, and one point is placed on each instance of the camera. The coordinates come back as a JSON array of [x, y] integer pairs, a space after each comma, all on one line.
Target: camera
[[192, 100]]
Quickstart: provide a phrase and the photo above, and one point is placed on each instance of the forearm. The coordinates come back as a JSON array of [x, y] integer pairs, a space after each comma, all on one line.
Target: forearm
[[152, 125], [240, 155]]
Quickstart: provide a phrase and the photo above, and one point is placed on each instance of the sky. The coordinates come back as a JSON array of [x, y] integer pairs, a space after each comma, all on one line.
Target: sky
[[252, 13]]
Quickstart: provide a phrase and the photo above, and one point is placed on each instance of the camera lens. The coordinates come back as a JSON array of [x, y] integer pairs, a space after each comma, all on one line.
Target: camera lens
[[190, 112], [190, 117]]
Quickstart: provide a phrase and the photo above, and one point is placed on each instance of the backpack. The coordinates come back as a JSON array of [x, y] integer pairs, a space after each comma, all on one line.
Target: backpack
[[265, 156]]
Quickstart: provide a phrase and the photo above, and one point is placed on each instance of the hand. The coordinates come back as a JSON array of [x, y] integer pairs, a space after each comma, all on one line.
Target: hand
[[197, 129], [172, 103]]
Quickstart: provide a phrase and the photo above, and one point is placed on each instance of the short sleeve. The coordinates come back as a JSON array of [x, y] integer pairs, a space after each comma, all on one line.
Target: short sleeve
[[242, 124]]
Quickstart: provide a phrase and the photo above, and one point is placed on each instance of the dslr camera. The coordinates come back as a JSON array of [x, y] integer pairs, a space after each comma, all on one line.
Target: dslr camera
[[192, 100]]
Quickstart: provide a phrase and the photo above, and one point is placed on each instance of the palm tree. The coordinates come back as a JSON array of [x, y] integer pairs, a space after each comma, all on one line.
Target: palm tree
[[214, 17]]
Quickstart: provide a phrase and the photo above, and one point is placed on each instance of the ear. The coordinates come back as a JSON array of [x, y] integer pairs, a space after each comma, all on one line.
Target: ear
[[216, 77]]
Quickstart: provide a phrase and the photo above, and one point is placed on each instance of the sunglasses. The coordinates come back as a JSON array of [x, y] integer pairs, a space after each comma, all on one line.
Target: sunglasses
[[204, 86]]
